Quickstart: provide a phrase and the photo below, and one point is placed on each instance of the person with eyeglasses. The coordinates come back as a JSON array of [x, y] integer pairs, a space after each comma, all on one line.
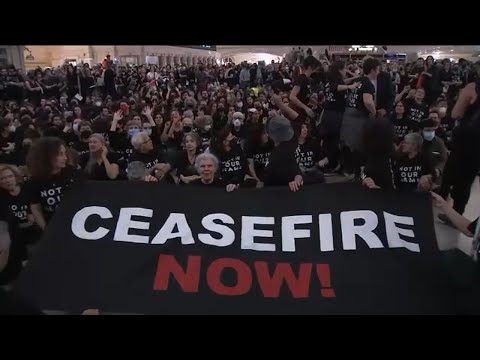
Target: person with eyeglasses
[[145, 152]]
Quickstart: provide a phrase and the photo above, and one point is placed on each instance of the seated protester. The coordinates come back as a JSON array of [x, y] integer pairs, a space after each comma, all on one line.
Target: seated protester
[[257, 150], [172, 135], [233, 162], [203, 127], [282, 167], [120, 141], [185, 171], [51, 177], [13, 194], [19, 156], [239, 128], [309, 151], [71, 133], [26, 122], [136, 171], [402, 125], [416, 108], [187, 122], [146, 153], [435, 116], [433, 146], [99, 163], [412, 170], [207, 166], [7, 140], [101, 124], [82, 145], [11, 247]]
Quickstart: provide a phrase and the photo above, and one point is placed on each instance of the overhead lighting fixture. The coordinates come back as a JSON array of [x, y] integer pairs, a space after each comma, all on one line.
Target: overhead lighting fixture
[[451, 50]]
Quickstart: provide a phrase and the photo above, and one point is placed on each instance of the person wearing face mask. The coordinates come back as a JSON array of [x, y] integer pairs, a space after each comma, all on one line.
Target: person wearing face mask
[[121, 141], [239, 129], [82, 145], [234, 167], [220, 117], [434, 147]]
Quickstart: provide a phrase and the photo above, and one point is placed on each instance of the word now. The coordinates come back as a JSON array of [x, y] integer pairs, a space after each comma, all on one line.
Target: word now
[[176, 226], [270, 285]]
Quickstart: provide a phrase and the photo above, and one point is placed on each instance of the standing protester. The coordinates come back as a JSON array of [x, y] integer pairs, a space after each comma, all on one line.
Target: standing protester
[[360, 110], [463, 164]]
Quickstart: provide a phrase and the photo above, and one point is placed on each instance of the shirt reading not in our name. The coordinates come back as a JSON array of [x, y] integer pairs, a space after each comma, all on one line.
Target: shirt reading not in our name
[[355, 96]]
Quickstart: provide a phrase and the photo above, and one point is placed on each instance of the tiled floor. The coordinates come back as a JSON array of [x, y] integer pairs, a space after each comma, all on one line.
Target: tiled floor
[[449, 238]]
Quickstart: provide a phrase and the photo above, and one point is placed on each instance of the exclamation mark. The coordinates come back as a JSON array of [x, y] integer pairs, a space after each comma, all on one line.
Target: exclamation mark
[[323, 273]]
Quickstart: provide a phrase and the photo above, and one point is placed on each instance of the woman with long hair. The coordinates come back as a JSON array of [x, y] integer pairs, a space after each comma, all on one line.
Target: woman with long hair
[[234, 167], [402, 124], [257, 149], [51, 177], [14, 195], [34, 88], [99, 163], [185, 164]]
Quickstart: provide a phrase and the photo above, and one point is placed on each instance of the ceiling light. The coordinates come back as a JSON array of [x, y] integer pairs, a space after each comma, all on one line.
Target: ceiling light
[[451, 50]]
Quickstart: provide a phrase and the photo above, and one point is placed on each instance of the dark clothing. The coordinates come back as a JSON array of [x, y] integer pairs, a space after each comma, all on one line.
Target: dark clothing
[[233, 165], [259, 153], [184, 166], [385, 92], [97, 171], [403, 127], [149, 159], [355, 97], [334, 100], [415, 111], [407, 172], [49, 192], [282, 165], [14, 265], [121, 143], [309, 154], [216, 183]]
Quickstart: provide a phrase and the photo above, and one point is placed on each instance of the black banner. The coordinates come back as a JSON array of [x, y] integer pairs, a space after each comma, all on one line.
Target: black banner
[[330, 249]]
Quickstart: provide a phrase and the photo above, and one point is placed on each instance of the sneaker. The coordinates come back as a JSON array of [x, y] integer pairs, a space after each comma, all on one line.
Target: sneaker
[[445, 220]]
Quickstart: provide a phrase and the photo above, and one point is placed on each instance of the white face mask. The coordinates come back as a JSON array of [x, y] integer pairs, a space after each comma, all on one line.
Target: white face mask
[[12, 128], [208, 127], [148, 131], [237, 123], [98, 103], [442, 110], [75, 127]]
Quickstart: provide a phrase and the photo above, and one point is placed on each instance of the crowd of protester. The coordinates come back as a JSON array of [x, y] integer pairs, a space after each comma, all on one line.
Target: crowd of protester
[[402, 126]]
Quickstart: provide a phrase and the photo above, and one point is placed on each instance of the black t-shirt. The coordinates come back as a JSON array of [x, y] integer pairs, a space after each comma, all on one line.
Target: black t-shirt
[[69, 138], [415, 111], [473, 226], [334, 100], [240, 133], [149, 159], [121, 143], [233, 165], [18, 205], [309, 153], [215, 183], [407, 172], [81, 147], [282, 165], [14, 265], [183, 165], [355, 96], [304, 83], [403, 127], [259, 153], [49, 192], [98, 172]]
